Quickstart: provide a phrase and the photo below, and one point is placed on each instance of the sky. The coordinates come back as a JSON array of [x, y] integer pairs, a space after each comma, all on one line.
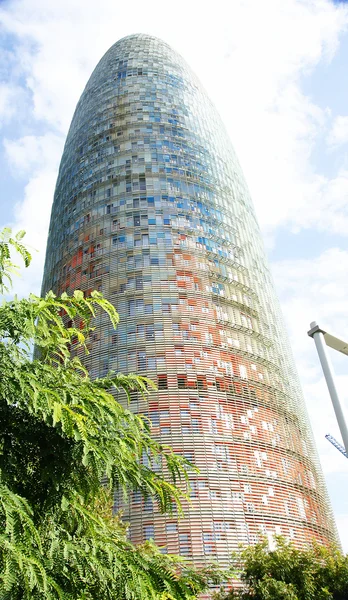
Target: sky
[[277, 73]]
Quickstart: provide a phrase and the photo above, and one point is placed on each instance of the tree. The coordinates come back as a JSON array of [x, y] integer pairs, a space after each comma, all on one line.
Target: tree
[[60, 433], [288, 573]]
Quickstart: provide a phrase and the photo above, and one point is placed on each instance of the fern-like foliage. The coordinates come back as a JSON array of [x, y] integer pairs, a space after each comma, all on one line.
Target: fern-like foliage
[[9, 242], [60, 434]]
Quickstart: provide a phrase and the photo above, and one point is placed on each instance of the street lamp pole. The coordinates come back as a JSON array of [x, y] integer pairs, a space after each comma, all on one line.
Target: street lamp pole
[[319, 338]]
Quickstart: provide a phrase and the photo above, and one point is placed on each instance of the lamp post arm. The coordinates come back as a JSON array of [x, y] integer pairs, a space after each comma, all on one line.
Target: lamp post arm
[[318, 335]]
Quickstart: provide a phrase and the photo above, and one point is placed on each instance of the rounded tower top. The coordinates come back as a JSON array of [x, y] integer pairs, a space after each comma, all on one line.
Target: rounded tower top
[[140, 36]]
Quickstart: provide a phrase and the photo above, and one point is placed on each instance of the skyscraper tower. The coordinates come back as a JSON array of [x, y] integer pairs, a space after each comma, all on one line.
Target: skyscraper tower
[[152, 209]]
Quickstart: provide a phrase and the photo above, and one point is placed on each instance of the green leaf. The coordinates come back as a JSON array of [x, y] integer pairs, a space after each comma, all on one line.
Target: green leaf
[[57, 412]]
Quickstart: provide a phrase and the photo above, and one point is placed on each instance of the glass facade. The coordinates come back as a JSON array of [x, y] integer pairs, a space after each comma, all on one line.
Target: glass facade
[[152, 209]]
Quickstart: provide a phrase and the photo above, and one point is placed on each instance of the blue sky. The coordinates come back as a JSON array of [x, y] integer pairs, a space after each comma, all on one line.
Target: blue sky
[[277, 73]]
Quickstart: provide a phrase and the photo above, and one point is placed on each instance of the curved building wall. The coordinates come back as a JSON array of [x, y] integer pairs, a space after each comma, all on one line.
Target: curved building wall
[[151, 208]]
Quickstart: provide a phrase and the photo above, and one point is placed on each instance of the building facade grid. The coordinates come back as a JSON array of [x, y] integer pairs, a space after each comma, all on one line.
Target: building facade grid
[[151, 208]]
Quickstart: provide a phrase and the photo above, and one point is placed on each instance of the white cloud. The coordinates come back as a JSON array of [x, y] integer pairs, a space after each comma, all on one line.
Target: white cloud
[[342, 524], [9, 100], [30, 153], [317, 289], [314, 289], [328, 207], [338, 134], [32, 214], [36, 157]]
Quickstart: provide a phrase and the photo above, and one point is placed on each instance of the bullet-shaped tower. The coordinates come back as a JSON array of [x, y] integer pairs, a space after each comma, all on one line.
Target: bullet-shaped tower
[[152, 209]]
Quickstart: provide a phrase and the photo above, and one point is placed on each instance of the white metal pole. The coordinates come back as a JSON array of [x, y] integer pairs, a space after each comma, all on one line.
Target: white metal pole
[[328, 374]]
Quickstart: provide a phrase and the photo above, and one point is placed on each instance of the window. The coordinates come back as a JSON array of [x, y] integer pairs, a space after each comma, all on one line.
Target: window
[[141, 361], [182, 382], [193, 489], [221, 451], [209, 338], [137, 497], [148, 505], [301, 508], [213, 426], [243, 372], [184, 543], [189, 457], [145, 459], [154, 416], [162, 382], [195, 424], [151, 362], [246, 321], [221, 526], [285, 464], [171, 527], [213, 494], [201, 382], [139, 305], [149, 532]]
